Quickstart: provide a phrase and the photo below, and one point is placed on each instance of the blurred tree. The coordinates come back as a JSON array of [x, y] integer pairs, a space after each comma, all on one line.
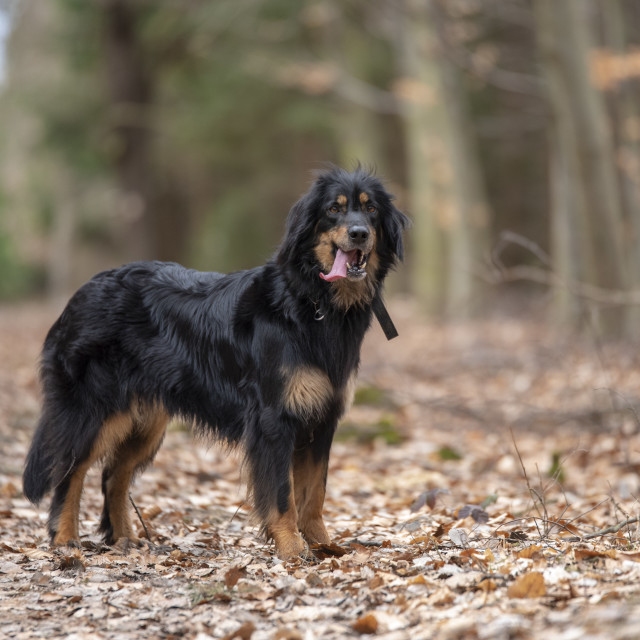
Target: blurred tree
[[170, 143], [589, 202], [131, 79], [446, 184], [615, 67], [184, 130]]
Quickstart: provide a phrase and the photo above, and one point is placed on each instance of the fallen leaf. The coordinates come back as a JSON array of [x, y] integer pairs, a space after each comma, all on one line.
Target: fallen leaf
[[375, 582], [71, 563], [441, 597], [517, 535], [473, 511], [232, 576], [322, 551], [529, 552], [459, 537], [588, 554], [37, 554], [366, 624], [287, 634], [528, 585], [314, 580], [151, 512], [564, 527], [50, 597], [428, 498], [413, 525], [487, 585], [243, 632]]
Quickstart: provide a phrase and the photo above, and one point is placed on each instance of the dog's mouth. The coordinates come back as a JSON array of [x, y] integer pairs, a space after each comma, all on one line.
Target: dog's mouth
[[347, 264]]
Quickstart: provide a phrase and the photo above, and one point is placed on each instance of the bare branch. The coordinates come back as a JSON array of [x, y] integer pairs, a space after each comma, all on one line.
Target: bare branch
[[612, 529], [144, 525], [498, 273]]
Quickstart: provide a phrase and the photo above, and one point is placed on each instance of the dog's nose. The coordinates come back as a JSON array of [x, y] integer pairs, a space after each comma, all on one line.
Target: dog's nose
[[358, 234]]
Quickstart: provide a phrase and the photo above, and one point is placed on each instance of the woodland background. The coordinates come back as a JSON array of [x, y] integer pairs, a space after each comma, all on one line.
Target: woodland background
[[185, 129], [484, 485]]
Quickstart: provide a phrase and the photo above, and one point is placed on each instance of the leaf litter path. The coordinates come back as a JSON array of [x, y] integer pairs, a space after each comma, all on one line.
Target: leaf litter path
[[475, 487]]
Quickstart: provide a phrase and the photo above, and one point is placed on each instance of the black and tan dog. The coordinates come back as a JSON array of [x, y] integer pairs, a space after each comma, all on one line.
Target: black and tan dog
[[264, 358]]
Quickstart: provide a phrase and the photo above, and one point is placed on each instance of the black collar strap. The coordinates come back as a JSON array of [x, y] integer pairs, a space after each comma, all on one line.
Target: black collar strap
[[383, 317]]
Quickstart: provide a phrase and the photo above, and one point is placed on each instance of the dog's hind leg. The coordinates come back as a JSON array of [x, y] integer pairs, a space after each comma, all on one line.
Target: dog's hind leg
[[65, 505], [129, 457]]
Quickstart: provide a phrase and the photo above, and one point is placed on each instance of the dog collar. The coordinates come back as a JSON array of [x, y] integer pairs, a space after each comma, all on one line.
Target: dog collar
[[380, 311], [383, 317]]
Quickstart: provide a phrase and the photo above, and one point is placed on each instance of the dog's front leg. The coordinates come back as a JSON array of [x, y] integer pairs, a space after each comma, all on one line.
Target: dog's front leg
[[282, 526], [269, 455], [310, 478]]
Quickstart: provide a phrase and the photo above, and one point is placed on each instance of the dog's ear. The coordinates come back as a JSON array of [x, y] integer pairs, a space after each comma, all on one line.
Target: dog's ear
[[298, 230], [393, 223]]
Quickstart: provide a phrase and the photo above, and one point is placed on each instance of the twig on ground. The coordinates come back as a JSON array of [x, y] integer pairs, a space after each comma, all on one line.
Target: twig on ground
[[550, 523], [142, 522], [365, 543], [613, 529], [537, 499]]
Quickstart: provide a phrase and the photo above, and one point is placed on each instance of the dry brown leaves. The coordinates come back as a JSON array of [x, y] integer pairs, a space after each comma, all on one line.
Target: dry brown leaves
[[506, 510]]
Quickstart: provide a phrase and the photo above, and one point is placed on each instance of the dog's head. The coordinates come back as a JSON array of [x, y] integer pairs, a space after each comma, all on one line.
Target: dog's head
[[346, 232]]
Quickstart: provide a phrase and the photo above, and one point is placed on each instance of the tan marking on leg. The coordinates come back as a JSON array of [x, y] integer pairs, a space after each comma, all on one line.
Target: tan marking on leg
[[349, 392], [148, 431], [283, 528], [68, 529], [342, 200], [112, 433], [307, 391], [309, 483], [364, 198]]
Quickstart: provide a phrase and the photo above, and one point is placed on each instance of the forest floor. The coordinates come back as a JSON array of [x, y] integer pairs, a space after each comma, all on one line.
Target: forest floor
[[484, 485]]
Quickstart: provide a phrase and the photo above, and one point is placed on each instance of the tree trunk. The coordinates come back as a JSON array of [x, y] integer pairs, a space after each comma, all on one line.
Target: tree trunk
[[624, 100], [427, 160], [583, 132], [156, 220], [61, 250], [565, 233], [469, 232], [130, 88], [447, 198]]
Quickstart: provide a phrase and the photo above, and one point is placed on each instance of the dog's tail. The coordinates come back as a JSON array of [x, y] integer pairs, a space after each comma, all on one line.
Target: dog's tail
[[38, 471]]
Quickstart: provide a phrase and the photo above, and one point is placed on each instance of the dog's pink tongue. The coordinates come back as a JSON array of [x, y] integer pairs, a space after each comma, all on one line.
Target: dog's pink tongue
[[339, 269]]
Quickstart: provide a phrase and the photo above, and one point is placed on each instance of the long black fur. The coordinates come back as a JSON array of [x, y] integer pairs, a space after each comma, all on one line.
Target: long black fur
[[210, 348]]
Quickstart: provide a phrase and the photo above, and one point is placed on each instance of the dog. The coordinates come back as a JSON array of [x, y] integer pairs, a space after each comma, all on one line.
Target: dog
[[265, 359]]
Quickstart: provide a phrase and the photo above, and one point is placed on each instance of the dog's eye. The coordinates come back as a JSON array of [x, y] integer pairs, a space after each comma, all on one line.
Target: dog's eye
[[371, 208], [334, 208]]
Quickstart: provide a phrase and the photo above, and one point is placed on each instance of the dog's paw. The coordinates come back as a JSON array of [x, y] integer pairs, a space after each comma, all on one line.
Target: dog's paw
[[314, 532], [125, 543], [72, 543], [292, 546]]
